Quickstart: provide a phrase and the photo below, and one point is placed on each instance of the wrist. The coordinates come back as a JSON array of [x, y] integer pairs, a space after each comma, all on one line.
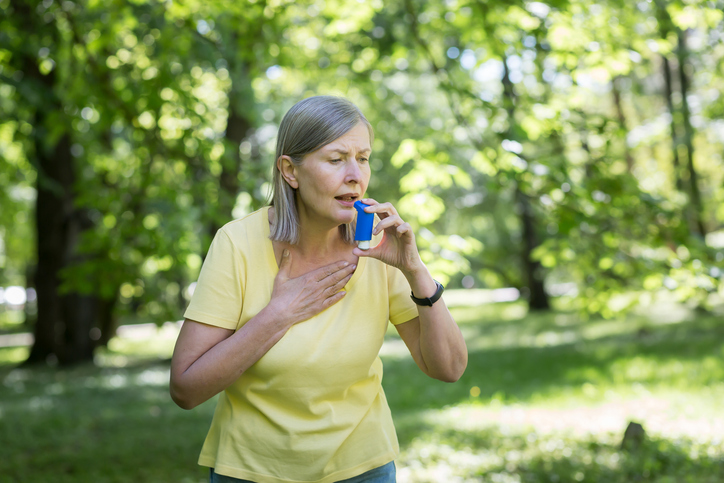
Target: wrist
[[415, 270], [276, 316], [429, 301], [421, 282]]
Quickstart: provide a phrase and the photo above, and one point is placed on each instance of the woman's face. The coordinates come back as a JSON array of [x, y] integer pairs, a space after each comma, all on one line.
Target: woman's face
[[331, 179]]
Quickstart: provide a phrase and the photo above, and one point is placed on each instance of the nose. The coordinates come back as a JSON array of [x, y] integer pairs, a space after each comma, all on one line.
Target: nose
[[354, 173]]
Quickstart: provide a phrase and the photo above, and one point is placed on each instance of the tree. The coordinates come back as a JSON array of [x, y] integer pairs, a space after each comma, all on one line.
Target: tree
[[529, 144]]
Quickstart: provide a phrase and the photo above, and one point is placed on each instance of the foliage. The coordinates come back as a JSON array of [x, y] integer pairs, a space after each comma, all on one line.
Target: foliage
[[555, 101], [524, 141]]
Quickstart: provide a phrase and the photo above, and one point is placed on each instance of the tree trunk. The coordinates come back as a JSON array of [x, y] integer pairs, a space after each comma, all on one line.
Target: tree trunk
[[62, 326], [107, 323], [238, 124], [79, 316], [534, 273], [674, 136], [694, 192], [538, 298], [236, 128], [622, 122], [53, 205], [64, 321]]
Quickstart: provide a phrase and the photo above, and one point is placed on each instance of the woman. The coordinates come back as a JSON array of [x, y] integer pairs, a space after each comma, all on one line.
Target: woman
[[288, 317]]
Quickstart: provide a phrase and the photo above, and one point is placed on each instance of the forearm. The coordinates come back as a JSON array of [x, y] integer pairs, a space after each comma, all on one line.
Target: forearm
[[442, 347], [226, 361], [208, 359]]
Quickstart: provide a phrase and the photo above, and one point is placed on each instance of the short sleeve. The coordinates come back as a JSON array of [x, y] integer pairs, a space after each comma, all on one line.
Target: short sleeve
[[402, 308], [218, 296]]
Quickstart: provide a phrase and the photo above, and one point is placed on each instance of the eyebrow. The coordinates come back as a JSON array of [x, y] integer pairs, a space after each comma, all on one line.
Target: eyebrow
[[342, 151]]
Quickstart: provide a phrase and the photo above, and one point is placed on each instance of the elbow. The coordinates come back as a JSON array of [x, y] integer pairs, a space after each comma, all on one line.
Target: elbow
[[449, 376], [453, 373], [182, 400]]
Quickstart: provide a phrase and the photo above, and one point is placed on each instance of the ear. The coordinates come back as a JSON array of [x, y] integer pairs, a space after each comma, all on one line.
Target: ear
[[288, 171]]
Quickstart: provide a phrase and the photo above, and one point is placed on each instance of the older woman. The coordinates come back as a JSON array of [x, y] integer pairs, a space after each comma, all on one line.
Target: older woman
[[288, 317]]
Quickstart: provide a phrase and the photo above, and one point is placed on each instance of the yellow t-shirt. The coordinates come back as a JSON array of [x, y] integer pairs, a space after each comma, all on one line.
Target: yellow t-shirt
[[312, 409]]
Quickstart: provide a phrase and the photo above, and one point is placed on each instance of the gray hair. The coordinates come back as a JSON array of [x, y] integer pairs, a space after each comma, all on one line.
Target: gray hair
[[308, 126]]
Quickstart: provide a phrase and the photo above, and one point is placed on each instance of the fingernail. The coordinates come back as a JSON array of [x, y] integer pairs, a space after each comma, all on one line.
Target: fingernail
[[285, 253], [354, 266], [346, 263]]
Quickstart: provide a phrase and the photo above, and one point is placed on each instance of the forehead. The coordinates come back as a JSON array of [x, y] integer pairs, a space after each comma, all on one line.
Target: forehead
[[356, 139]]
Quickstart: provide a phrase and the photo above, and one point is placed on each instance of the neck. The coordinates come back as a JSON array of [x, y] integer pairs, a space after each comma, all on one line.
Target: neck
[[318, 237], [317, 242]]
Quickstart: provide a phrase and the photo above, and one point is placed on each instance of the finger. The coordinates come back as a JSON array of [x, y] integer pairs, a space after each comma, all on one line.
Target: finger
[[369, 201], [373, 252], [285, 264], [330, 291], [404, 229], [334, 278], [321, 273], [376, 207], [333, 299], [386, 223], [361, 253], [382, 209], [341, 283]]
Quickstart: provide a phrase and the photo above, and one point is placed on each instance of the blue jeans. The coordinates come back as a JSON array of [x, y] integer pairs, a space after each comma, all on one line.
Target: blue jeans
[[383, 474]]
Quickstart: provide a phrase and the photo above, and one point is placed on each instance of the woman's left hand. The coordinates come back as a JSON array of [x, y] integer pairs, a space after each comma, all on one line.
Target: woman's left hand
[[398, 247]]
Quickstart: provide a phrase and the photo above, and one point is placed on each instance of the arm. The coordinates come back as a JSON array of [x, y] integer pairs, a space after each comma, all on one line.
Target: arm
[[207, 359], [433, 338]]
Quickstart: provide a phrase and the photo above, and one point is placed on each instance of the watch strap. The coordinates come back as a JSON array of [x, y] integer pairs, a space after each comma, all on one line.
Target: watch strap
[[428, 301]]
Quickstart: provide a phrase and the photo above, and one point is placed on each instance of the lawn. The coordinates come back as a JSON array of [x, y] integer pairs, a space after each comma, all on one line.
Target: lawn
[[545, 398]]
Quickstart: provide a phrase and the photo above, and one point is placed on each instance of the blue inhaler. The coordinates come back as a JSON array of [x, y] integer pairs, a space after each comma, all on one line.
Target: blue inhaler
[[363, 231]]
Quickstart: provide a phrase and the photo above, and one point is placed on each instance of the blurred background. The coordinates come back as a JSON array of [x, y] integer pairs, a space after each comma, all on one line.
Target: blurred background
[[560, 162]]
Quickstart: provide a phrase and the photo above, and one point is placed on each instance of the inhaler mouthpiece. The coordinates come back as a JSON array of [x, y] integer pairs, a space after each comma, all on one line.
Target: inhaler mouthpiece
[[363, 230]]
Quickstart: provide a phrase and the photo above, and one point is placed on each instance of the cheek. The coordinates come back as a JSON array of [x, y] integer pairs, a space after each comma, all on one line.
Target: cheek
[[314, 187], [366, 177]]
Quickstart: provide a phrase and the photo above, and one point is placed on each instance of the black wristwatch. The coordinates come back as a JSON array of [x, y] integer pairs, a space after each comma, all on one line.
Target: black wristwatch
[[428, 301]]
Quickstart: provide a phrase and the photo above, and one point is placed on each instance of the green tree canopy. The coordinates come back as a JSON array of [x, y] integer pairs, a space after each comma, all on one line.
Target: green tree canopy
[[560, 147]]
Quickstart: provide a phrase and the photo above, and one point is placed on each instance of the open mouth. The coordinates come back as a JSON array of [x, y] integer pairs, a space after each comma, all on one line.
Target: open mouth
[[347, 198]]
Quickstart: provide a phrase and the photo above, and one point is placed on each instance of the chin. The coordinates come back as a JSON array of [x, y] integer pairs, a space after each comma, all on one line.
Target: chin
[[346, 216], [343, 220]]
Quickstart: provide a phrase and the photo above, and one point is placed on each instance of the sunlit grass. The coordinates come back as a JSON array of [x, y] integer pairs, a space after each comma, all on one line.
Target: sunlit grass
[[546, 398], [146, 342], [89, 424], [502, 453]]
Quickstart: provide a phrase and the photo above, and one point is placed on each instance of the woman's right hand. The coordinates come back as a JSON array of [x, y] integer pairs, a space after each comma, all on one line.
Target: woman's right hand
[[301, 298], [208, 359]]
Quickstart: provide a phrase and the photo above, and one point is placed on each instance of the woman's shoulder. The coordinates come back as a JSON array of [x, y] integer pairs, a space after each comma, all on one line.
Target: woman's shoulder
[[251, 220], [253, 226]]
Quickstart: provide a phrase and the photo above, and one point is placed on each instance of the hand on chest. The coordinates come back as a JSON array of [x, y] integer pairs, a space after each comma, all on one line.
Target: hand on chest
[[302, 264]]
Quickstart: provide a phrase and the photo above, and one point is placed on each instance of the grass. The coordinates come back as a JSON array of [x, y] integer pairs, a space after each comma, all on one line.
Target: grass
[[545, 398]]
